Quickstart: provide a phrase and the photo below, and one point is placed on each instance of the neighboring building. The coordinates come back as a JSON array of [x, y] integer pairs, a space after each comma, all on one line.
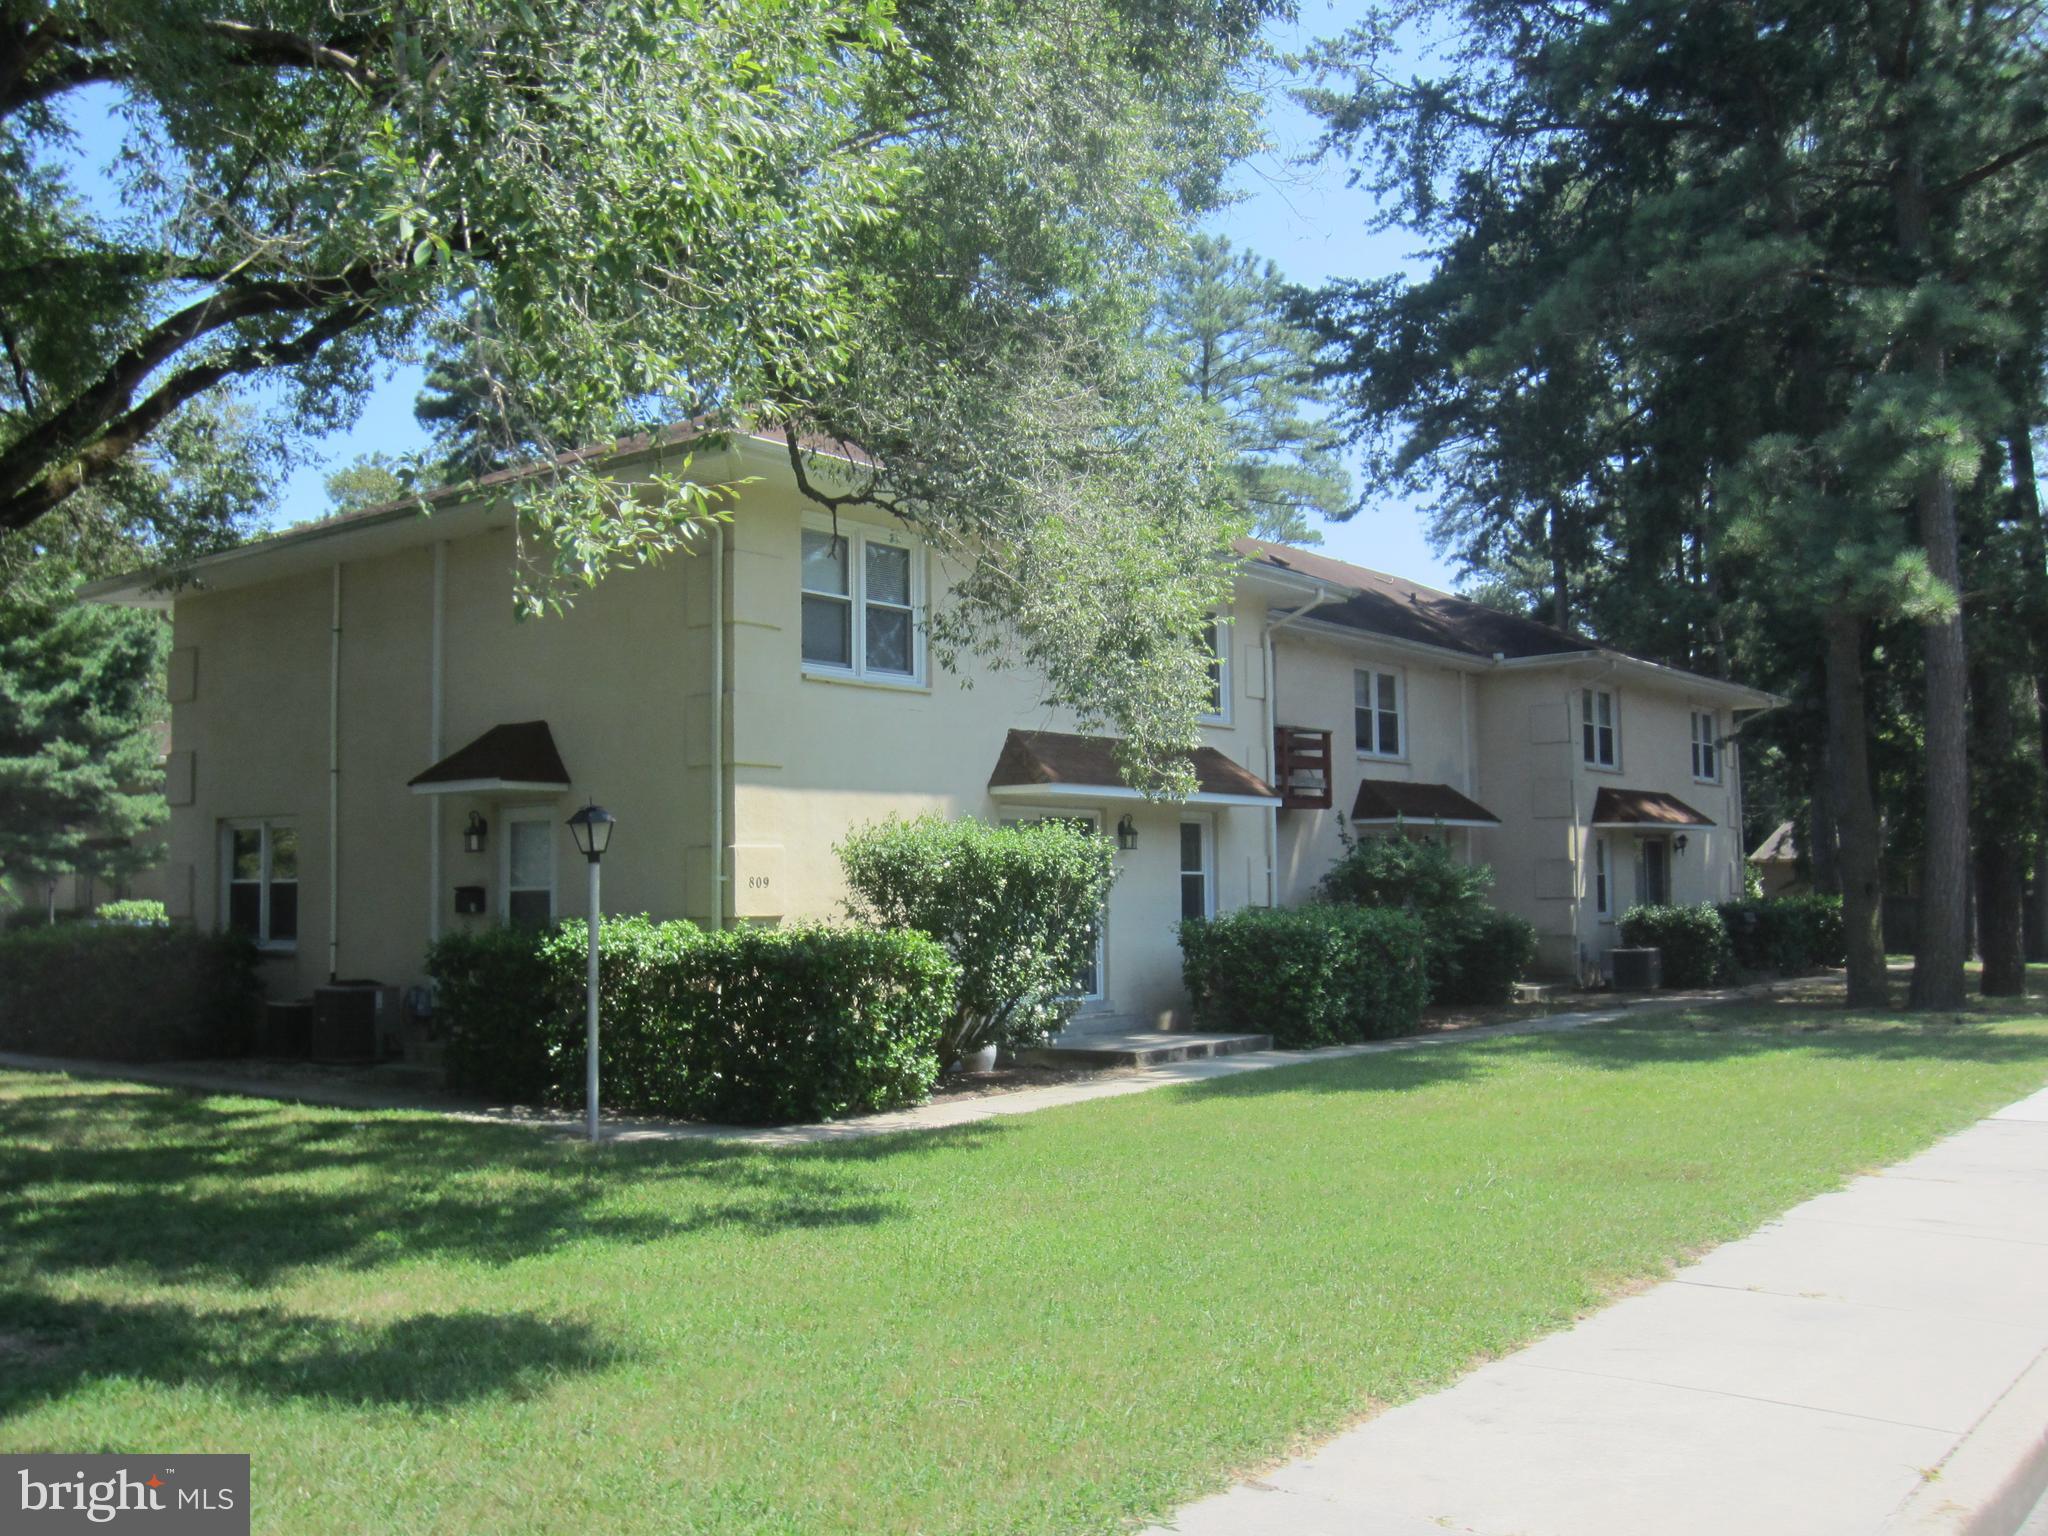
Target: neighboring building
[[1776, 862], [353, 702]]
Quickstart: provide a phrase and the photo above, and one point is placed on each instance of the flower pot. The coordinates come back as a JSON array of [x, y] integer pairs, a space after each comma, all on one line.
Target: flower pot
[[983, 1060]]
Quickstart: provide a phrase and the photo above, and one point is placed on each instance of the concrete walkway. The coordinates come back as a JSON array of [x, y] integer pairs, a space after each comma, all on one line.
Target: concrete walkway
[[1873, 1362], [225, 1078]]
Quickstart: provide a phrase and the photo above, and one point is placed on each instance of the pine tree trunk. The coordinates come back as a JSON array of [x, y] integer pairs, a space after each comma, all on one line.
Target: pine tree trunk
[[1560, 582], [1823, 842], [2000, 869], [1944, 854], [1855, 812]]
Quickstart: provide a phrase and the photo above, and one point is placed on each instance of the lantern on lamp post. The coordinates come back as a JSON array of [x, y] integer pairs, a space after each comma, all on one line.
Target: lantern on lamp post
[[592, 828]]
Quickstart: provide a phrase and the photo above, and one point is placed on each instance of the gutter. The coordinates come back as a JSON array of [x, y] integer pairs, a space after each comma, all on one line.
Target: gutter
[[334, 783], [717, 726]]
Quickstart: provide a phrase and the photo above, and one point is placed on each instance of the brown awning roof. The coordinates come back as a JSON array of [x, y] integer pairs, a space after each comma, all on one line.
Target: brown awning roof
[[1056, 762], [1388, 800], [1644, 808], [506, 757]]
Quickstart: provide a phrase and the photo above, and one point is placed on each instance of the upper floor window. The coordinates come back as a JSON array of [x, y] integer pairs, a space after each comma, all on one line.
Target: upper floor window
[[1597, 726], [1217, 637], [1378, 714], [861, 589], [1706, 747], [261, 869]]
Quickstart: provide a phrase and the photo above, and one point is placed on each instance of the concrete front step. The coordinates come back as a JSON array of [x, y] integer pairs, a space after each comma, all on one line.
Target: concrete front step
[[1137, 1048]]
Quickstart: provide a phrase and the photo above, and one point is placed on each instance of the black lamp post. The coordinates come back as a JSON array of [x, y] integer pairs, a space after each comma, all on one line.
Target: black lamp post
[[592, 828]]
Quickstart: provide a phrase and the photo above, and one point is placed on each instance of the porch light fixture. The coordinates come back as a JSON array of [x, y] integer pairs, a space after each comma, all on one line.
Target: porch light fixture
[[592, 827], [1127, 834], [473, 834], [1678, 843]]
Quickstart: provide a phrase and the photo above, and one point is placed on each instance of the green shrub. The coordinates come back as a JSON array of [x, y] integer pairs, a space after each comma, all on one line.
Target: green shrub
[[126, 992], [1694, 941], [1016, 907], [491, 998], [1316, 975], [132, 912], [1785, 933], [1483, 960], [1476, 954], [756, 1024]]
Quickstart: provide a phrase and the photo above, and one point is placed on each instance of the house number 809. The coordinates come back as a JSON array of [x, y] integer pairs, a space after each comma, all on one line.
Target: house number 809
[[757, 882]]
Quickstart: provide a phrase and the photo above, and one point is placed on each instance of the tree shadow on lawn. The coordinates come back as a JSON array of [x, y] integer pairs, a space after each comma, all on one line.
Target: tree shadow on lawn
[[50, 1348], [251, 1197]]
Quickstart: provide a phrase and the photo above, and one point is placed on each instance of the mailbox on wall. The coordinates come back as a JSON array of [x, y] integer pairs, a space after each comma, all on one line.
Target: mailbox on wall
[[469, 900]]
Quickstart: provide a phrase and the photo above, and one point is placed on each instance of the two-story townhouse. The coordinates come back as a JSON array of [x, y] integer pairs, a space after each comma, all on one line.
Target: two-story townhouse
[[369, 749]]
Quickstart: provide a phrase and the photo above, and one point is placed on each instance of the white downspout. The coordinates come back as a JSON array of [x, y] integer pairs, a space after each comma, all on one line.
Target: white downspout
[[717, 726], [435, 644], [1272, 727], [1471, 772], [334, 782]]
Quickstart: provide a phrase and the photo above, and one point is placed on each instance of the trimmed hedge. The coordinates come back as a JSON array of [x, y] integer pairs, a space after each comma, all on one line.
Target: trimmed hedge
[[1481, 962], [132, 912], [1785, 933], [1693, 938], [1016, 907], [752, 1024], [1322, 974], [1476, 954], [126, 992]]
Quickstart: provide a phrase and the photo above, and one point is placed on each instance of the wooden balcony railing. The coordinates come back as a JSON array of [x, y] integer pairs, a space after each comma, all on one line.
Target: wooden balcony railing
[[1301, 768]]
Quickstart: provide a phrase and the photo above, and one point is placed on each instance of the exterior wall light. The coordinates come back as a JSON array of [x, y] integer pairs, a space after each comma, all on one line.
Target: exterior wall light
[[473, 834], [1678, 843], [1127, 834]]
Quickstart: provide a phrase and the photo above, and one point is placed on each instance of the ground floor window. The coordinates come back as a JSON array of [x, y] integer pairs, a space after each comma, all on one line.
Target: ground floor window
[[529, 870], [1197, 893], [1656, 886], [1603, 891], [261, 867]]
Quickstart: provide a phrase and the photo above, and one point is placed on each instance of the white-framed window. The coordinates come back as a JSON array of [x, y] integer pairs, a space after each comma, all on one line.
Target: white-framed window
[[260, 881], [862, 590], [1217, 637], [1706, 746], [526, 868], [1197, 869], [1603, 879], [1598, 727], [1377, 714]]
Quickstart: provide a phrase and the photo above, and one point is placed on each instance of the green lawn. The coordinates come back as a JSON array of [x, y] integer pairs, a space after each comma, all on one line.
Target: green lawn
[[1052, 1323]]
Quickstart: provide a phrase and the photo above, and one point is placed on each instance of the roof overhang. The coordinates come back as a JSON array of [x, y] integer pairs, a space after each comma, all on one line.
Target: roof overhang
[[1057, 765], [1399, 802], [426, 519], [1603, 662], [1644, 810], [514, 759]]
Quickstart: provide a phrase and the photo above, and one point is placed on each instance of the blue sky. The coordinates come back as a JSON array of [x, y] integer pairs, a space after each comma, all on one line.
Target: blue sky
[[1303, 217]]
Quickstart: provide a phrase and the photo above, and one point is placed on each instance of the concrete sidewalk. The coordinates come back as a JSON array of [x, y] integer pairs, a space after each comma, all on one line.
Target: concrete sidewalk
[[1873, 1362], [230, 1078]]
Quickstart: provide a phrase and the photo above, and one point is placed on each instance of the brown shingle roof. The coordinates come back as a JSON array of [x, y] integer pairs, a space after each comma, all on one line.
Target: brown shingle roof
[[1644, 808], [1404, 610], [1381, 800], [1057, 757], [523, 753]]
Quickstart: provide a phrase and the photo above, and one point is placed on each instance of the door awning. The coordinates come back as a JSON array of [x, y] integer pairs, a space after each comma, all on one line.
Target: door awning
[[1383, 802], [506, 759], [1644, 810], [1038, 765]]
